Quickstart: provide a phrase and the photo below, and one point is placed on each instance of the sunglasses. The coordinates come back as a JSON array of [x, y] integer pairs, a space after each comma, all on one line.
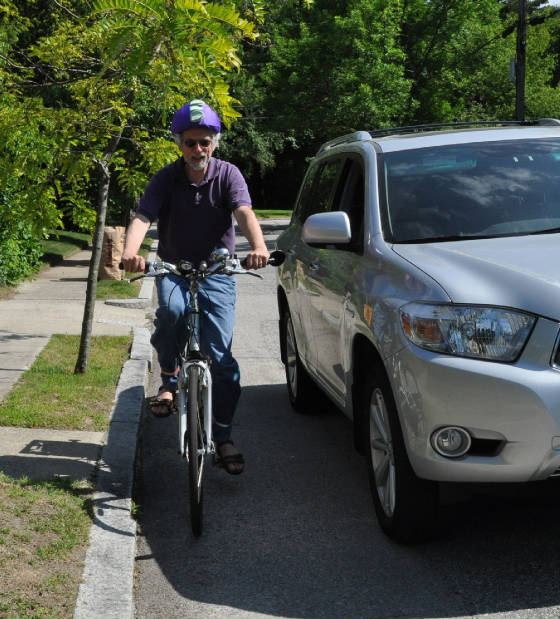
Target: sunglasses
[[204, 143]]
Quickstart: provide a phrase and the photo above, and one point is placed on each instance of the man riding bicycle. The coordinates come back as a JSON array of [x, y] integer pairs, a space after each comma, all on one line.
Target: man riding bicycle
[[194, 200]]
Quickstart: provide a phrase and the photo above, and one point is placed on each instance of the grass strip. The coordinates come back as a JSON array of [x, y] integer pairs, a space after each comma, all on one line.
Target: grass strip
[[44, 527], [62, 243], [272, 214], [118, 288], [50, 395]]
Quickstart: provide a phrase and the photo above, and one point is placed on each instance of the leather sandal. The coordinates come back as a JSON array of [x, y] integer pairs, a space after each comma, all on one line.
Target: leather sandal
[[162, 407], [234, 463]]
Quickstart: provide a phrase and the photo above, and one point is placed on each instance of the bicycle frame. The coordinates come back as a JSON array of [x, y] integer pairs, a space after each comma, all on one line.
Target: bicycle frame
[[192, 356]]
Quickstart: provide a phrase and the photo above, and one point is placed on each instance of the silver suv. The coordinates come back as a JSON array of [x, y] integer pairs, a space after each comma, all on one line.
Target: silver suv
[[421, 294]]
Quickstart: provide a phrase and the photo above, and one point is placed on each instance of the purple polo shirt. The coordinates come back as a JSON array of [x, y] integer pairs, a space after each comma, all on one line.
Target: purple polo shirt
[[194, 220]]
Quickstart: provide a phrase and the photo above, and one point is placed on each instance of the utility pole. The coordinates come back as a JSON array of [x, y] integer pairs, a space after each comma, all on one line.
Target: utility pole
[[520, 61]]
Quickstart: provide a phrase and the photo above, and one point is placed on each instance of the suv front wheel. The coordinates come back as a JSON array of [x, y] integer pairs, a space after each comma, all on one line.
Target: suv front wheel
[[406, 506], [303, 393]]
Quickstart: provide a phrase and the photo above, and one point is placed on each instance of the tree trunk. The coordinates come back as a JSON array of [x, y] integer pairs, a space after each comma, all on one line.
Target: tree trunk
[[89, 307]]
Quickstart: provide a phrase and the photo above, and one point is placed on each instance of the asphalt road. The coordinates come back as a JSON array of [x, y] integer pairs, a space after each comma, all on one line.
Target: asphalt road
[[295, 535]]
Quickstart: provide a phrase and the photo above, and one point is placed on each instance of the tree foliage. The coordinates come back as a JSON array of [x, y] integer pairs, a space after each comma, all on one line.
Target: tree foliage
[[99, 84], [334, 66], [75, 74]]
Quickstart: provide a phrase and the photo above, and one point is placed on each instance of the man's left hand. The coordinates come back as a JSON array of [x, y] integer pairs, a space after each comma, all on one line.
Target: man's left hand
[[258, 258]]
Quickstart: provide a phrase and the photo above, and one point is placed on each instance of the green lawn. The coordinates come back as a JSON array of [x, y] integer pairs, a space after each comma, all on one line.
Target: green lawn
[[50, 395]]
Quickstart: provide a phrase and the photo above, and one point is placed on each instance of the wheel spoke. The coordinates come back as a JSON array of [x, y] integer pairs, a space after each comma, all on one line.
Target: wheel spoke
[[291, 355], [380, 446], [383, 471], [390, 494], [201, 452], [380, 416]]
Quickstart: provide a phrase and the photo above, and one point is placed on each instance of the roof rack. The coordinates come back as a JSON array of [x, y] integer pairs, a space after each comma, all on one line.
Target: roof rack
[[362, 136], [358, 136], [477, 123]]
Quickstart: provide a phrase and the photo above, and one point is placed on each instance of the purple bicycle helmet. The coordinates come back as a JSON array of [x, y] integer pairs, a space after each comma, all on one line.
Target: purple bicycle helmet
[[193, 115]]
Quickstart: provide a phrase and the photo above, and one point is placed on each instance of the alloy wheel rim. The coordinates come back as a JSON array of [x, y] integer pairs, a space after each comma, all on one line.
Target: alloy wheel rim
[[381, 449]]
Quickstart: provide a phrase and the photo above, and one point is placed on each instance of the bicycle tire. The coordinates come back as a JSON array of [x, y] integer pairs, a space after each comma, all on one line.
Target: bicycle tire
[[195, 447]]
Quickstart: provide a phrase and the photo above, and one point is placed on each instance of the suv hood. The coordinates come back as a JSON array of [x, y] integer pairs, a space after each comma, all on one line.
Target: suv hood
[[520, 272]]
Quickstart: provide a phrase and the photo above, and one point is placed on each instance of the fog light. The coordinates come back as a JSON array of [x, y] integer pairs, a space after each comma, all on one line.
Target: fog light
[[451, 442]]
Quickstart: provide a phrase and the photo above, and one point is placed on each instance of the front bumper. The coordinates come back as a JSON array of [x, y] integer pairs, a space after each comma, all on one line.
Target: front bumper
[[513, 407]]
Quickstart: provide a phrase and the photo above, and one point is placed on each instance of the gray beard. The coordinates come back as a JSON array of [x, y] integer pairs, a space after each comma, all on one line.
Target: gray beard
[[198, 166]]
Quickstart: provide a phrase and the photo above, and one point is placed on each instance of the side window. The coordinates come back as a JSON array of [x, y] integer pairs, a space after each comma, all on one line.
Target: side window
[[323, 197], [317, 192], [306, 194], [350, 199]]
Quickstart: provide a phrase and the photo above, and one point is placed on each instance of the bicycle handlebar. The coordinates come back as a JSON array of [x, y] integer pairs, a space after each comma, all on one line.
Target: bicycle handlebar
[[227, 266]]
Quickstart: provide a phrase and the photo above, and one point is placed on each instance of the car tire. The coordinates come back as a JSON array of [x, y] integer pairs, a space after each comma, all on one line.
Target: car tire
[[304, 395], [406, 506]]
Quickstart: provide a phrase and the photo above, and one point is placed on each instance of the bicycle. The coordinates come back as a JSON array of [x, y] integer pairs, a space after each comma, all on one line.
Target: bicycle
[[194, 390]]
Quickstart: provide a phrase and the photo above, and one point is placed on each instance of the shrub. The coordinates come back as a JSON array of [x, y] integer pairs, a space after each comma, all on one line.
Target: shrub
[[20, 253]]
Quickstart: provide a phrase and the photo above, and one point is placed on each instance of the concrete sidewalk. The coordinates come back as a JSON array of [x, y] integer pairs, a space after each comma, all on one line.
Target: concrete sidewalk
[[53, 302]]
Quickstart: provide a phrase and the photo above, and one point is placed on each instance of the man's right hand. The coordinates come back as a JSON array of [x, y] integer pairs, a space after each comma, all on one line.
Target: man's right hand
[[133, 264], [135, 234]]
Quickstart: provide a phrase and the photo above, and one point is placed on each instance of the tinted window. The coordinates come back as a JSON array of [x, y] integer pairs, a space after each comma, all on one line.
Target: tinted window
[[325, 186], [306, 194], [473, 190], [318, 190], [350, 199]]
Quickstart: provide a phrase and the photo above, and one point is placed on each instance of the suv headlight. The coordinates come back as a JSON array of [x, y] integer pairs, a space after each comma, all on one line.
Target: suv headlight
[[492, 333]]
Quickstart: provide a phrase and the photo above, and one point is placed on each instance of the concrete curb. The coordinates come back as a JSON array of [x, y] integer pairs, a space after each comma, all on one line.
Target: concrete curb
[[106, 591], [107, 584]]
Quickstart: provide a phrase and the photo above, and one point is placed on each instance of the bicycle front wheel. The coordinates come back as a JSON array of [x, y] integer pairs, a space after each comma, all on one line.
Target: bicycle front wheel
[[195, 445]]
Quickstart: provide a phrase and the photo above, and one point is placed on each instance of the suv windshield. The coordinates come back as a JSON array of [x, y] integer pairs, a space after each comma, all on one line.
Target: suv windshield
[[473, 190]]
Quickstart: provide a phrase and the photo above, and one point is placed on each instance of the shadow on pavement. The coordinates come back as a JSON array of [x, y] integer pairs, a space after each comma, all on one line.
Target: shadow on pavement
[[48, 459]]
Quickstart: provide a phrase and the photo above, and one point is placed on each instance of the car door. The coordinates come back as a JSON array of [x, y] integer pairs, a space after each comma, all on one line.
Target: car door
[[310, 200], [316, 197], [330, 279]]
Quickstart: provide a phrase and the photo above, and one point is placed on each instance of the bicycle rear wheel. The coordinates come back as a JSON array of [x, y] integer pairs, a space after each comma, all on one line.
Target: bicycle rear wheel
[[195, 446]]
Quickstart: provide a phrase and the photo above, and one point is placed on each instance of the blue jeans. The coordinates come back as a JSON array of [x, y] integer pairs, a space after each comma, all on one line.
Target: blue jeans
[[216, 299]]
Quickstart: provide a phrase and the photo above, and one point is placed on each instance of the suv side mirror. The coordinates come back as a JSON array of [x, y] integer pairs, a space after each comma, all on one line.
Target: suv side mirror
[[327, 229]]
